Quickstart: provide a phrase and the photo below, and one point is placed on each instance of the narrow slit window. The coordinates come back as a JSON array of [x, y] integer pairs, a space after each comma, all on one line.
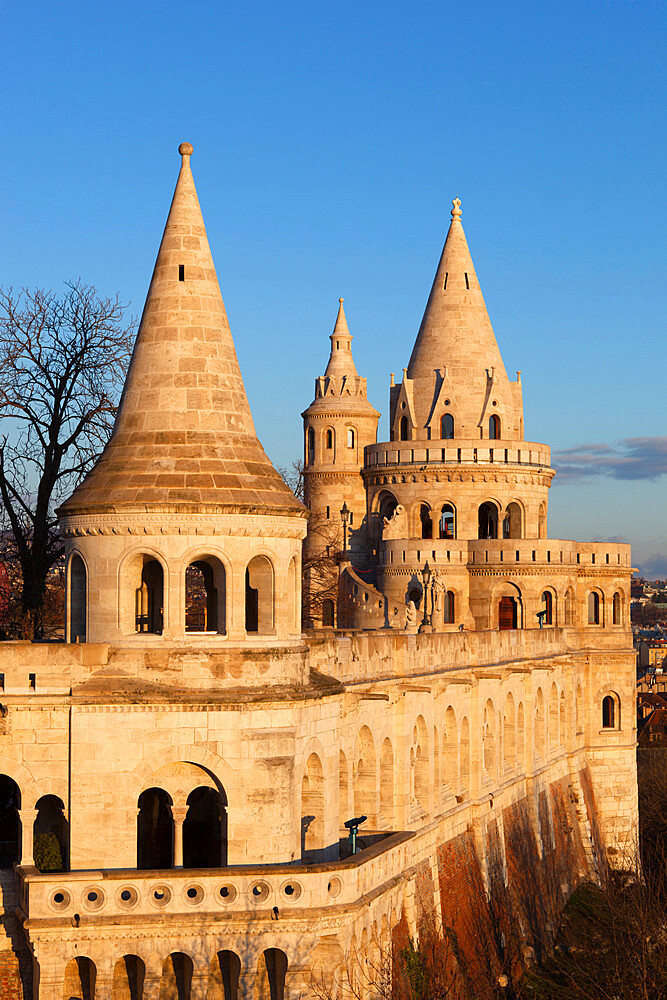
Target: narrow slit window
[[444, 287], [467, 282], [181, 272], [32, 681]]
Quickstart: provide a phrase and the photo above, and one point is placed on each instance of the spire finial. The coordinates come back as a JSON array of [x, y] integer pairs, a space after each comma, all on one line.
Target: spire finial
[[456, 211], [186, 149], [341, 301]]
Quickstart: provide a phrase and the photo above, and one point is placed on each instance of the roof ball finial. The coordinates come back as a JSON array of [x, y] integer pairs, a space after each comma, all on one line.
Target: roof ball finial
[[341, 301], [186, 149], [456, 211]]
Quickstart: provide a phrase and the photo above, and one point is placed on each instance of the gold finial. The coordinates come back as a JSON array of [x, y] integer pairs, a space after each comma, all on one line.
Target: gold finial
[[341, 301], [185, 149], [456, 211]]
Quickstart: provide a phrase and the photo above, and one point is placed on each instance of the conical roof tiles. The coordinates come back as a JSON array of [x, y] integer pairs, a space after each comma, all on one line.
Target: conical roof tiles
[[184, 434]]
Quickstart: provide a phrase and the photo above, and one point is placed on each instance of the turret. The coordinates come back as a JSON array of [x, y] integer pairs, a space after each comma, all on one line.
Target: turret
[[338, 425], [183, 530]]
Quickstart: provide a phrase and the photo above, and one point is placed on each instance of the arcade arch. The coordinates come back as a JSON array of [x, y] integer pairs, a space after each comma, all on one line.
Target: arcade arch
[[205, 595]]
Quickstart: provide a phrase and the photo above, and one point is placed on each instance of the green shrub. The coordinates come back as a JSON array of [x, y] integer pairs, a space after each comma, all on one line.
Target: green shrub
[[48, 856]]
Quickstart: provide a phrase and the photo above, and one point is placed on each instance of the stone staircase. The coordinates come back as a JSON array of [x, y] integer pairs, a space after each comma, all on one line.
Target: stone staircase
[[15, 957]]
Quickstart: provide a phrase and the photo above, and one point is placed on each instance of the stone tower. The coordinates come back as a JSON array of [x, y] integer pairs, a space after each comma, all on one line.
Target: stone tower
[[337, 427], [184, 493]]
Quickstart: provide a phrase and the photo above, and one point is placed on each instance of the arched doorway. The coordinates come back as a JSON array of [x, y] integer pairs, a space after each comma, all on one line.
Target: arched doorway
[[10, 825], [205, 829], [223, 982], [271, 973], [80, 977], [176, 980], [155, 830]]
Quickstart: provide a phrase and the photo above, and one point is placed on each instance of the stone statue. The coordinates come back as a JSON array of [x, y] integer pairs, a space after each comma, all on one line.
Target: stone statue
[[411, 617], [396, 526]]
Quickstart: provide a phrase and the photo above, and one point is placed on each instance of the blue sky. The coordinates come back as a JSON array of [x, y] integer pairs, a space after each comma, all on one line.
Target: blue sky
[[329, 141]]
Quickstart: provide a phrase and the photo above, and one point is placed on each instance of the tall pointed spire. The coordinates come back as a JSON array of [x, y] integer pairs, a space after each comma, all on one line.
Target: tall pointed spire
[[341, 361], [184, 433], [456, 335]]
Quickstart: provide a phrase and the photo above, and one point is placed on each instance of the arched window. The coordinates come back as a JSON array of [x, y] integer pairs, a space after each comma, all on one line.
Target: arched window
[[540, 724], [259, 596], [448, 521], [447, 427], [403, 429], [487, 520], [449, 608], [567, 608], [593, 608], [489, 738], [512, 521], [464, 782], [312, 809], [205, 829], [205, 596], [419, 757], [155, 830], [616, 609], [350, 437], [494, 427], [364, 775], [78, 593], [547, 607], [509, 733], [425, 519], [387, 506], [415, 595], [328, 612], [310, 446], [542, 521], [149, 598], [387, 784], [343, 790], [329, 439], [608, 712]]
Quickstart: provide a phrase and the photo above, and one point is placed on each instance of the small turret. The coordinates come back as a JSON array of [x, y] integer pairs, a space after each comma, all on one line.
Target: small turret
[[338, 425]]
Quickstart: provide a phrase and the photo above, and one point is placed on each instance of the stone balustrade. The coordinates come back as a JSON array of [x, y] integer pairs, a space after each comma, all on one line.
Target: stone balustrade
[[130, 893]]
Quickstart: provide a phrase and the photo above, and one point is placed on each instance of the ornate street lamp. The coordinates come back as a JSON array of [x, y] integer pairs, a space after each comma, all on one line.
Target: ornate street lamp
[[345, 518], [426, 577]]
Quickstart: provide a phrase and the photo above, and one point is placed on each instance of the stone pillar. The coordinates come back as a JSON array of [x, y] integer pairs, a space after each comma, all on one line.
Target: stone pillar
[[178, 814], [27, 817], [152, 977]]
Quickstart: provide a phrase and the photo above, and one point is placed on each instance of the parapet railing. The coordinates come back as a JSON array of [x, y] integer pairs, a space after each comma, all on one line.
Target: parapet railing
[[510, 552], [456, 452], [360, 657], [127, 893]]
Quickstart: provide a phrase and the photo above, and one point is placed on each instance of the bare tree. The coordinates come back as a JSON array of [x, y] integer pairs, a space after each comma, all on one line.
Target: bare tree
[[320, 566], [62, 363]]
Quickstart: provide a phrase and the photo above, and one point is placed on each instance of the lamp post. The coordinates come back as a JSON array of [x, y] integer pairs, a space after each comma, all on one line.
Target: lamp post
[[345, 517], [426, 577]]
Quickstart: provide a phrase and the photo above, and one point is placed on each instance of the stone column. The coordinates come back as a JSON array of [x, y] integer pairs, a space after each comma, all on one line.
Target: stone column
[[27, 817], [178, 815]]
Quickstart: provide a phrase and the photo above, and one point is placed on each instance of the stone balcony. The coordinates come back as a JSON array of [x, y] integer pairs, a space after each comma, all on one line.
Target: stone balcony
[[238, 891]]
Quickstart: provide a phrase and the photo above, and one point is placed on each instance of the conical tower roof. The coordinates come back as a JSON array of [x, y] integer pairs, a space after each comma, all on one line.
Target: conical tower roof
[[456, 334], [341, 361], [184, 434]]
